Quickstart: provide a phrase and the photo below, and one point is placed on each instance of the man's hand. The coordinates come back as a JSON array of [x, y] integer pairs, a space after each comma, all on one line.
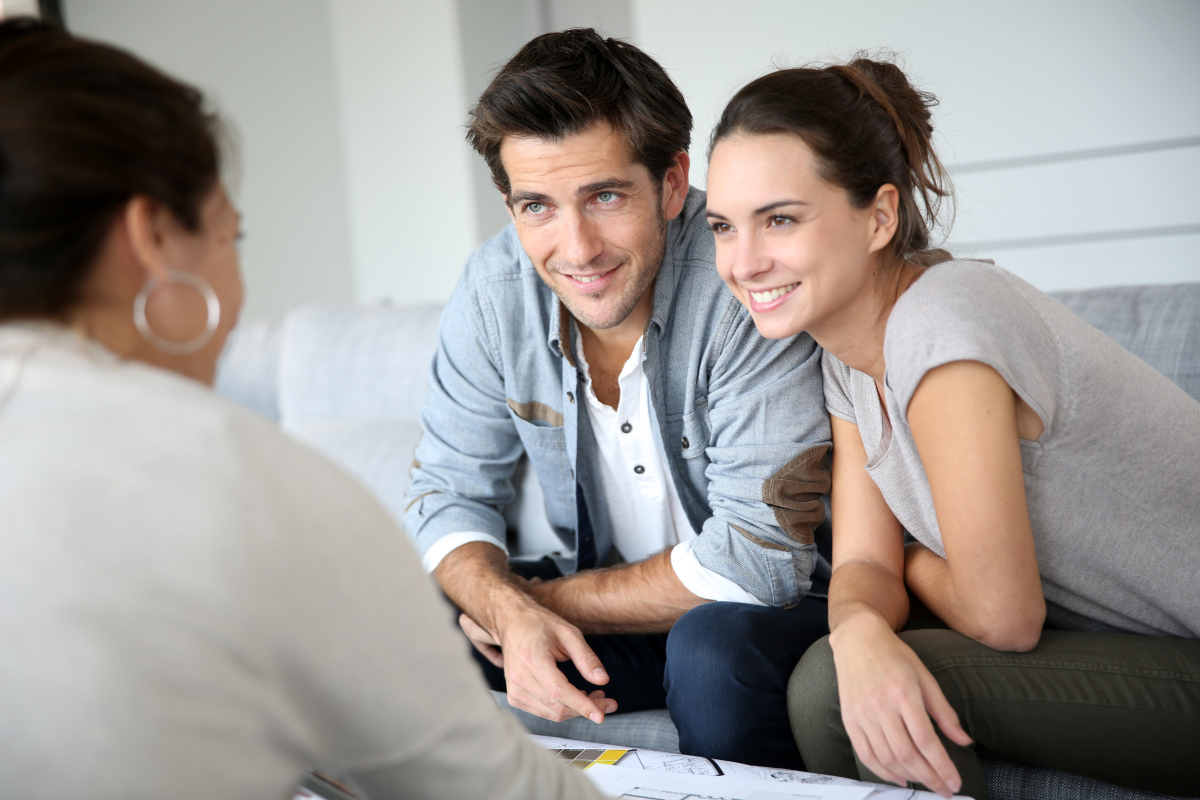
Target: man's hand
[[532, 645], [535, 684], [483, 641], [532, 640]]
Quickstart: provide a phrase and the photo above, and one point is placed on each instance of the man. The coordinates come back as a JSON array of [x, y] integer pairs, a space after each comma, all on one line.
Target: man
[[682, 456]]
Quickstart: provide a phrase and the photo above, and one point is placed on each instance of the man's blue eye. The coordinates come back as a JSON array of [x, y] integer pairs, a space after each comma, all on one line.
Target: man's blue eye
[[534, 208], [606, 197]]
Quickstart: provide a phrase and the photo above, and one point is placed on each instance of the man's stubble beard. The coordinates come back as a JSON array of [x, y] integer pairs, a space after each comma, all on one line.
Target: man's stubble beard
[[633, 294]]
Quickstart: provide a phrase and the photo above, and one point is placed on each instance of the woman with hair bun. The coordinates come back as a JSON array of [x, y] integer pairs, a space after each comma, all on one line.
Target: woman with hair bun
[[192, 605], [1048, 477]]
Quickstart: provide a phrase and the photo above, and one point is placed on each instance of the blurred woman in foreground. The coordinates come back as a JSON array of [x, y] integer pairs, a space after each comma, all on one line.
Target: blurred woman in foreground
[[1049, 476], [191, 604]]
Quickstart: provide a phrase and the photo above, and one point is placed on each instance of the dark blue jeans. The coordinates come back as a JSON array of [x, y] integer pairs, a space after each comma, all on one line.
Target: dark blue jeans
[[722, 672]]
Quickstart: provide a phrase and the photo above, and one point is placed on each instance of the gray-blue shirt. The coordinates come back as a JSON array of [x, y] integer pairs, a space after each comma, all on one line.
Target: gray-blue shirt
[[740, 418]]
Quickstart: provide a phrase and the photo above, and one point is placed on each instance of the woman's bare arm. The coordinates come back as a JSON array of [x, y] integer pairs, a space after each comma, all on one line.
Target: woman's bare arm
[[887, 695], [964, 420]]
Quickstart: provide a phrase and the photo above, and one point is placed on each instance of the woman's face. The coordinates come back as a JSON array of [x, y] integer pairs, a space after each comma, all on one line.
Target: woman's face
[[791, 246], [177, 311]]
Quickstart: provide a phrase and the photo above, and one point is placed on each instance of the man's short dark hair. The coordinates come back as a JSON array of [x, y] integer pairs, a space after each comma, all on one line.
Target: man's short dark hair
[[561, 83]]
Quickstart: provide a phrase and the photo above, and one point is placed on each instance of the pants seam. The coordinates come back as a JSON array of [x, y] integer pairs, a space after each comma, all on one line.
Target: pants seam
[[946, 664], [969, 698]]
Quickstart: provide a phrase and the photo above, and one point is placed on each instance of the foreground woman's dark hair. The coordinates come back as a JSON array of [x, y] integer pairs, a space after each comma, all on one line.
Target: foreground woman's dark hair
[[84, 127]]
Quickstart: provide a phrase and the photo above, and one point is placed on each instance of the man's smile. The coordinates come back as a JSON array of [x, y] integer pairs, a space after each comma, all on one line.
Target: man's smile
[[592, 283]]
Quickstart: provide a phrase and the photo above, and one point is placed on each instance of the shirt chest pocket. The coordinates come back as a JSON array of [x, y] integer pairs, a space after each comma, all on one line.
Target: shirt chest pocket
[[545, 440]]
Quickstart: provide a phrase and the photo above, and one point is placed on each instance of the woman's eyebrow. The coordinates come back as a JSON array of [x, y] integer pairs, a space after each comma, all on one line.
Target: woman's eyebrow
[[708, 212], [778, 204]]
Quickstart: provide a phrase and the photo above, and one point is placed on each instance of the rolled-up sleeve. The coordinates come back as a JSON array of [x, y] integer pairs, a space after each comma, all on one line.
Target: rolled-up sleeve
[[769, 465], [462, 470]]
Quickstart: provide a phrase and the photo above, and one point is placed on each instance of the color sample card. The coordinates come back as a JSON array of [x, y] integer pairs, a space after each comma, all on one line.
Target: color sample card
[[584, 758]]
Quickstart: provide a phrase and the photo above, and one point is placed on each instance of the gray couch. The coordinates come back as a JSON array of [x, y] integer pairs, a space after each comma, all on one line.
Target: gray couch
[[350, 382]]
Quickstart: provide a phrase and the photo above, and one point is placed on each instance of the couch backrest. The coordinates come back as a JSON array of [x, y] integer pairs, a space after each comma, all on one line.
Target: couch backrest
[[1158, 324], [355, 364]]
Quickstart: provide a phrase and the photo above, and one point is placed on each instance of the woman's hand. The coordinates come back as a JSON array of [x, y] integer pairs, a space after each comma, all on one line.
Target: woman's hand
[[887, 698], [887, 695]]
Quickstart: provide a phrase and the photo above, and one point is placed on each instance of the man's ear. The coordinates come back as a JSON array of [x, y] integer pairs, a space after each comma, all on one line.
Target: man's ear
[[508, 206], [885, 218], [675, 185], [147, 224]]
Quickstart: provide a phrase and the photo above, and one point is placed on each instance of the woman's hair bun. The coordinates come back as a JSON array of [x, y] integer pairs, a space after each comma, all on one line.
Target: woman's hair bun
[[867, 125]]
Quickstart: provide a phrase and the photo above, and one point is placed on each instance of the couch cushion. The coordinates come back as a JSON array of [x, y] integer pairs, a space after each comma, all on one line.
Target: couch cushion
[[1008, 780], [248, 371], [377, 453], [1158, 324], [359, 363], [649, 730]]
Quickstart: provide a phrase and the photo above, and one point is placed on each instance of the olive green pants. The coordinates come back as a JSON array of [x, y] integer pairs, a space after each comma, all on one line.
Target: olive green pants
[[1119, 708]]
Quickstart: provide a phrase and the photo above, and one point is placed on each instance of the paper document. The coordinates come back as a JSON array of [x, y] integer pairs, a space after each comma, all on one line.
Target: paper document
[[671, 776], [660, 785]]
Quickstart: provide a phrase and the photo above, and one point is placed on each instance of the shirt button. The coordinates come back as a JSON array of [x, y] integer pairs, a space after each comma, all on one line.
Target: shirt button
[[639, 469], [626, 428], [685, 443], [570, 397]]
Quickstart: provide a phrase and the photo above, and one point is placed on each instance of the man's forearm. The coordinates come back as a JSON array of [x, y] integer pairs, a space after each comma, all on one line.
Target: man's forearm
[[477, 578], [644, 597]]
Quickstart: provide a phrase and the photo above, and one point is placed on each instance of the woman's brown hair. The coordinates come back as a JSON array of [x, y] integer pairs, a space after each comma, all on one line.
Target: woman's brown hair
[[866, 125], [85, 127]]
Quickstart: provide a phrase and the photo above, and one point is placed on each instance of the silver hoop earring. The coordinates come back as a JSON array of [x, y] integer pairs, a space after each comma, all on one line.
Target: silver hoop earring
[[166, 345]]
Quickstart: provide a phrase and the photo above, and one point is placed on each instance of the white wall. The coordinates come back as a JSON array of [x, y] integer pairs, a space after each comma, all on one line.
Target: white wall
[[267, 65], [357, 185], [402, 104], [1016, 79]]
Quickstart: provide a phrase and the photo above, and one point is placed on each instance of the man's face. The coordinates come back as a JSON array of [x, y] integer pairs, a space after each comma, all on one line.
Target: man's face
[[592, 222]]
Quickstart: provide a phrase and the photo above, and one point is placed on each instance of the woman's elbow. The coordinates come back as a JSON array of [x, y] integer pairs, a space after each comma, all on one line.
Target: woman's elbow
[[1013, 641], [1014, 632]]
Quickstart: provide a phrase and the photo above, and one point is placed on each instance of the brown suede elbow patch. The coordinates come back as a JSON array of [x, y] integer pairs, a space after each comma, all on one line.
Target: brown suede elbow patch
[[757, 540], [794, 493]]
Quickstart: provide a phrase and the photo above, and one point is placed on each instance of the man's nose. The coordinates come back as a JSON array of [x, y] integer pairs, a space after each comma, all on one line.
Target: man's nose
[[581, 240]]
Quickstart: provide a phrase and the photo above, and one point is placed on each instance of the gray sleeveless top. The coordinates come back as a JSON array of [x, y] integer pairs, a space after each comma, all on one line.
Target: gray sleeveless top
[[1113, 484]]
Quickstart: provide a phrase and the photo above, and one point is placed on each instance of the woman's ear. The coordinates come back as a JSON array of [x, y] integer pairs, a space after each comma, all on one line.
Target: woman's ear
[[148, 224], [885, 217]]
